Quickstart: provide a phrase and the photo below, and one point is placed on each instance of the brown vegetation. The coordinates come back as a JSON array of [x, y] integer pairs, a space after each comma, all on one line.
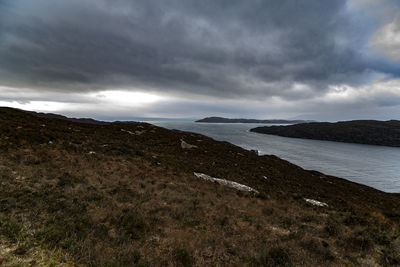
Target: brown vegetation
[[85, 194]]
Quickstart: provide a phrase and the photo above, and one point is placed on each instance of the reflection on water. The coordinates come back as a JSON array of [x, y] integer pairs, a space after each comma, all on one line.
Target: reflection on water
[[375, 166]]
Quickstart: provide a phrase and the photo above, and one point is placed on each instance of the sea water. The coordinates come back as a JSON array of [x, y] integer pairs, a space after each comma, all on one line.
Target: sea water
[[375, 166]]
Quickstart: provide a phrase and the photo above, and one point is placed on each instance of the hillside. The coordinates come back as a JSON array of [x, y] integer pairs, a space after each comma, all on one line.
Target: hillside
[[226, 120], [123, 194], [61, 117], [383, 133]]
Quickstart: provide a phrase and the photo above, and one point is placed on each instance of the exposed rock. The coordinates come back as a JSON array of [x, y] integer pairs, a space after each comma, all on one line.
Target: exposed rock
[[129, 132], [228, 183], [316, 203], [255, 151], [140, 132], [185, 145], [133, 133]]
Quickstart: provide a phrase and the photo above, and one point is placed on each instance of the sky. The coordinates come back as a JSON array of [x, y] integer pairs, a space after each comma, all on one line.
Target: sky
[[123, 59]]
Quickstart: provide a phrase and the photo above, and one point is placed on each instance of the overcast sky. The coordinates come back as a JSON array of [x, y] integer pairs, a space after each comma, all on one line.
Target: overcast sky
[[121, 59]]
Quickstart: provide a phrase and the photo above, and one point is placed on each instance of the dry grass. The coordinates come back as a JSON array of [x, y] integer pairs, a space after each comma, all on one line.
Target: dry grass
[[136, 202]]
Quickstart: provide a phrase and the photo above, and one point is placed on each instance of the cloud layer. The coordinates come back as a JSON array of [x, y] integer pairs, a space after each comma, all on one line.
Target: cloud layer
[[215, 50]]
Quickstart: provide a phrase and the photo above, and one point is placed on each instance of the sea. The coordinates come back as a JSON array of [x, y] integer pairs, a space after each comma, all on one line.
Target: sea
[[375, 166]]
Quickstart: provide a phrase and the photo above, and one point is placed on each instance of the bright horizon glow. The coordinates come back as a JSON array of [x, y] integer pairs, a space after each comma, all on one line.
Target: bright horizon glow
[[39, 106], [127, 98], [109, 99]]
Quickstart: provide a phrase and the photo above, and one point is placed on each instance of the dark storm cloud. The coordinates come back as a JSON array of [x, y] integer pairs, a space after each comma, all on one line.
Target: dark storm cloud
[[220, 48]]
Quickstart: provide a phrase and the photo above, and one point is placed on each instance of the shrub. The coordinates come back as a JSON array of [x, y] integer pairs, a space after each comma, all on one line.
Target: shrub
[[318, 247], [67, 179], [21, 250], [10, 228], [389, 257], [332, 228], [182, 257], [277, 256], [223, 221], [134, 225], [127, 259], [268, 211], [359, 243]]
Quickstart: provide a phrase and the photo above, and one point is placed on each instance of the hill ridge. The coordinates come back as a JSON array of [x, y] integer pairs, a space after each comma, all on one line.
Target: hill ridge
[[227, 120], [372, 132]]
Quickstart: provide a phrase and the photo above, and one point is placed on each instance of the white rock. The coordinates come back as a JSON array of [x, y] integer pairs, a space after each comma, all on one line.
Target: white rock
[[133, 133], [232, 184], [91, 152], [185, 145], [255, 151], [140, 132], [316, 203], [129, 132]]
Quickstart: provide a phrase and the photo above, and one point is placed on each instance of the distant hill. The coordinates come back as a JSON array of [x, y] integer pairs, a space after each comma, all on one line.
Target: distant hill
[[383, 133], [61, 117], [226, 120]]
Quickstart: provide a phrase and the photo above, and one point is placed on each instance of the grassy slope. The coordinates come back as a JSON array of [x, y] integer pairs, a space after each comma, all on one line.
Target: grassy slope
[[136, 201], [384, 133]]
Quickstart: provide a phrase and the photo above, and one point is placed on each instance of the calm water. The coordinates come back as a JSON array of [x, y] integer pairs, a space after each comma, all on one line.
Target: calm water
[[375, 166]]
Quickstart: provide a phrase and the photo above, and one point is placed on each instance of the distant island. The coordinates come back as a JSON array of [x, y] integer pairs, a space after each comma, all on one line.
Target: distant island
[[371, 132], [226, 120]]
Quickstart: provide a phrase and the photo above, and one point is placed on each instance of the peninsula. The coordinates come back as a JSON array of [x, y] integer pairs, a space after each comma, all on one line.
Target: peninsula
[[226, 120], [371, 132]]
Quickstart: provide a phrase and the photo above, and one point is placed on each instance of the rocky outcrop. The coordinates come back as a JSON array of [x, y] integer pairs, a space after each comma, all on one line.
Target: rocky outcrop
[[185, 145], [235, 185]]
